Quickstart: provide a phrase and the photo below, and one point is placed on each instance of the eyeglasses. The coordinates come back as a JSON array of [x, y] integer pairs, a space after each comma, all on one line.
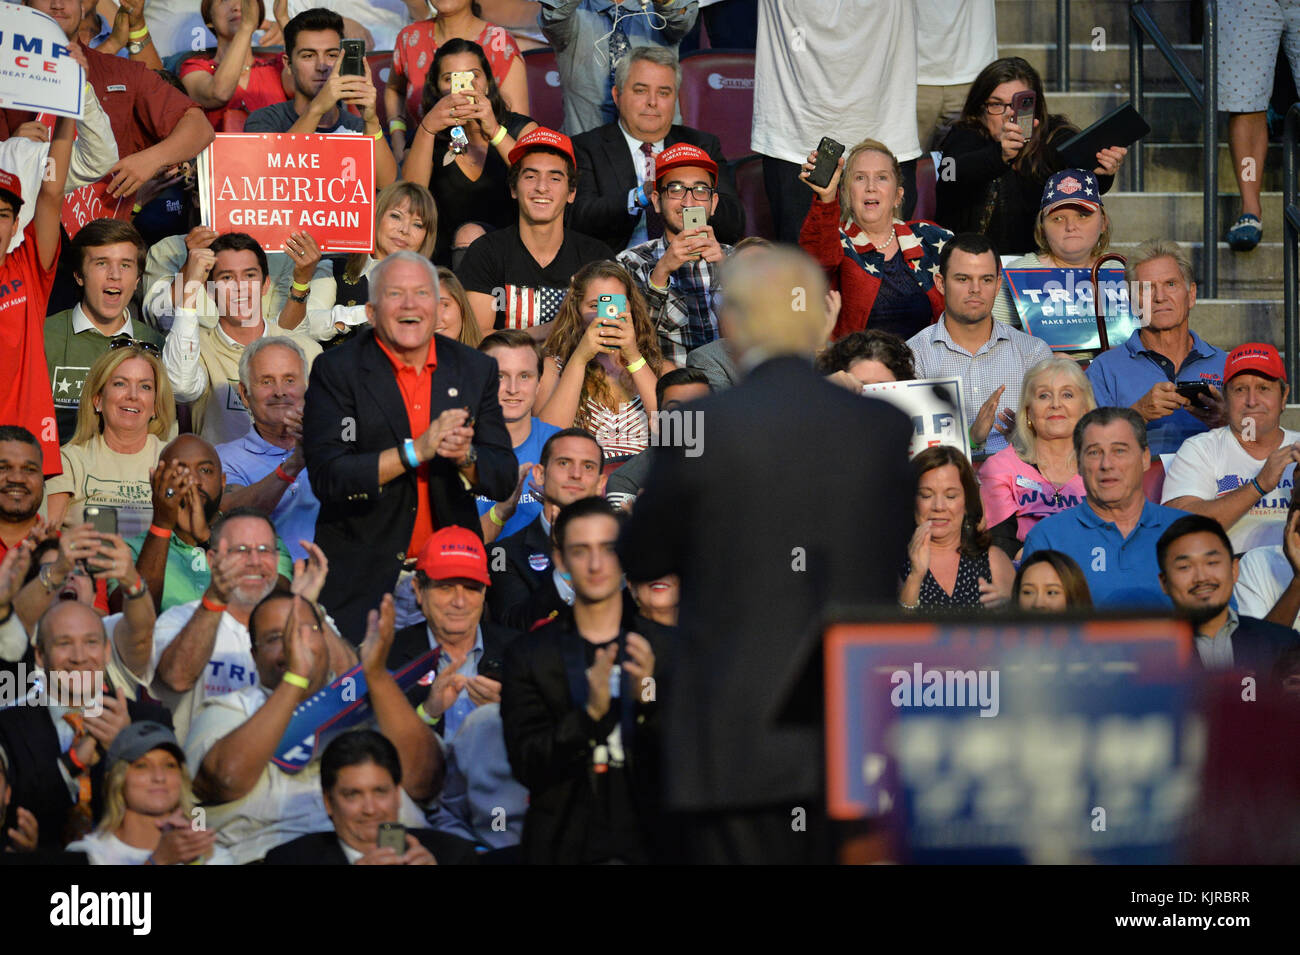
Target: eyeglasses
[[124, 342], [996, 108], [261, 550], [675, 190]]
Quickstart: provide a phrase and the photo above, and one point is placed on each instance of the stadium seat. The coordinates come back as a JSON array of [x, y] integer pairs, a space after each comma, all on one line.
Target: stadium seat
[[1153, 481], [233, 121], [545, 96], [717, 96], [753, 197], [925, 180], [381, 64]]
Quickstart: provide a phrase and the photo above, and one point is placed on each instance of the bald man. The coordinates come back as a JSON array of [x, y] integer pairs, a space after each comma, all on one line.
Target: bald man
[[188, 487], [822, 520], [56, 751]]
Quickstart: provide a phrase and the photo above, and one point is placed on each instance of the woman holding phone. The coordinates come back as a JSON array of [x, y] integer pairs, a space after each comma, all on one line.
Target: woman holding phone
[[994, 168], [125, 416], [604, 361]]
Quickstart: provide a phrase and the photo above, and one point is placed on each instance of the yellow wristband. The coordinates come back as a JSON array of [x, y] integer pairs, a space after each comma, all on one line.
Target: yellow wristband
[[395, 124], [492, 516], [499, 135], [137, 34], [636, 366], [377, 136], [294, 679], [301, 287], [419, 711]]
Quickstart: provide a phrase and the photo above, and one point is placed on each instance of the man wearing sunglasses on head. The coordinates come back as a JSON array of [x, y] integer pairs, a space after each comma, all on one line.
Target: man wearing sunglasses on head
[[107, 260]]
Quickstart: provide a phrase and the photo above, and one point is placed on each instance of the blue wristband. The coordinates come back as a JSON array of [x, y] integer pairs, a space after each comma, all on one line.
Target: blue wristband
[[1262, 492], [408, 453]]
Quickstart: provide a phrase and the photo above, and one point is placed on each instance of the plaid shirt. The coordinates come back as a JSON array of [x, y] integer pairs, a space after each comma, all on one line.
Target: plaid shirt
[[686, 315]]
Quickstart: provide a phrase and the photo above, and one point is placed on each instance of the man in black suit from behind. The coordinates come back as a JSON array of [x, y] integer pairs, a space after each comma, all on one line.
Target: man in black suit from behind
[[400, 430], [821, 519], [1198, 571], [55, 762], [451, 579], [524, 589], [615, 177], [360, 780]]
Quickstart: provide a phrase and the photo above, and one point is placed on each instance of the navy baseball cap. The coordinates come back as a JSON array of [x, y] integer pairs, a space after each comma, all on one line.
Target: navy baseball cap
[[1071, 187]]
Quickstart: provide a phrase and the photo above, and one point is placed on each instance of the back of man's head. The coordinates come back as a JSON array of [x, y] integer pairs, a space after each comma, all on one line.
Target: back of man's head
[[774, 302]]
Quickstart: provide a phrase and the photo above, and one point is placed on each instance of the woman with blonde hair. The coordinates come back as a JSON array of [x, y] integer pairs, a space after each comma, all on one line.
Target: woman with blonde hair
[[1037, 475], [1072, 231], [406, 218], [126, 416], [148, 805], [883, 267], [603, 371], [453, 306]]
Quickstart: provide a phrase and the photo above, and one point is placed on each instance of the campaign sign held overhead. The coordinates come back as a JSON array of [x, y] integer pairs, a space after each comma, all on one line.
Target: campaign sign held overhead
[[1056, 305], [37, 73]]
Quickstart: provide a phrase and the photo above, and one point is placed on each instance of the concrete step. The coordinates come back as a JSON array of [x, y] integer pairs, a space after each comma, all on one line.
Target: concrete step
[[1250, 275], [1177, 215], [1100, 69], [1034, 21], [1176, 167], [1227, 323]]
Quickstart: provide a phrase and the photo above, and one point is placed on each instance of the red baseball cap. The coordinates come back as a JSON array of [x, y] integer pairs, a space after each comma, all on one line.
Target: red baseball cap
[[11, 184], [454, 552], [683, 154], [542, 138], [1257, 357]]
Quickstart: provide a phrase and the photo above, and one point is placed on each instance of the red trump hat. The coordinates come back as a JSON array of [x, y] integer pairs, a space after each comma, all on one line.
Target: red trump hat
[[542, 138], [454, 552], [1258, 357], [683, 154], [11, 184]]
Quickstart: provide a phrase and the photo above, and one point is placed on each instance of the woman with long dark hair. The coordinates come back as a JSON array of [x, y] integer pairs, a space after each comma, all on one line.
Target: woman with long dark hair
[[951, 561], [991, 177], [1050, 581], [470, 186]]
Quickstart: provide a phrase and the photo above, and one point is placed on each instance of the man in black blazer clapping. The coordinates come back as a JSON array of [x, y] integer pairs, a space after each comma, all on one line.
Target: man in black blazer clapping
[[615, 174], [400, 430]]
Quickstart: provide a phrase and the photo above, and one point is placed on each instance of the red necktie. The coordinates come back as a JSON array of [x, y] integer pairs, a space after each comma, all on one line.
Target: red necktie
[[653, 223]]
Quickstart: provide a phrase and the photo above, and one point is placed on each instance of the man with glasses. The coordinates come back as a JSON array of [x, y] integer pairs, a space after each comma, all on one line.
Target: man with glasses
[[677, 272], [107, 258], [201, 648], [617, 162]]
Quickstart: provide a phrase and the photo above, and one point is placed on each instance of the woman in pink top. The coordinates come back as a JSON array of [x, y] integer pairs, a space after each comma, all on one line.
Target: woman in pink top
[[1038, 474]]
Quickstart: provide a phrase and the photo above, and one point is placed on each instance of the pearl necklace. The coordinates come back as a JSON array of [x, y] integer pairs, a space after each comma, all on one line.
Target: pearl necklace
[[881, 247]]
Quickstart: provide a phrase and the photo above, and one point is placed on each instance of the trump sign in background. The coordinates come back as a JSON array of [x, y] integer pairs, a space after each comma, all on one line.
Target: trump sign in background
[[271, 185], [36, 72]]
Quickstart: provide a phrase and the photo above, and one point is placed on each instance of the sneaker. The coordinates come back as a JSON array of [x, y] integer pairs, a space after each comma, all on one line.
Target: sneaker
[[1245, 233]]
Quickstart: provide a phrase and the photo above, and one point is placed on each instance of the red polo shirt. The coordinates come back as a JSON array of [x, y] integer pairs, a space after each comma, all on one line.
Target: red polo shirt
[[416, 386]]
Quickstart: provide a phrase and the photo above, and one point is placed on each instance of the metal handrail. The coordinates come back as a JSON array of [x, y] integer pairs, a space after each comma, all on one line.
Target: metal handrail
[[1291, 241], [1206, 95], [1063, 45]]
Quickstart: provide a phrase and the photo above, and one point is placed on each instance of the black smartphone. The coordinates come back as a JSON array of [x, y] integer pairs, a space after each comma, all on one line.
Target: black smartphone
[[1191, 390], [354, 56], [491, 668], [392, 835], [104, 521], [1022, 108], [828, 157]]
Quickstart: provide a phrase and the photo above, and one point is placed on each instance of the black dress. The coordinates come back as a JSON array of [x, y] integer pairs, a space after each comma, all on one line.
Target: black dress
[[347, 293], [965, 592], [985, 194], [460, 199]]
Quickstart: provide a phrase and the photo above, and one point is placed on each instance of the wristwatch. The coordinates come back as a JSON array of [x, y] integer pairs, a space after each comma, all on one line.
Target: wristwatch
[[134, 47], [470, 457]]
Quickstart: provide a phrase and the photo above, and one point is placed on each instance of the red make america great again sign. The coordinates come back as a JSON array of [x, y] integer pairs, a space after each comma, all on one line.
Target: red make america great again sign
[[273, 184]]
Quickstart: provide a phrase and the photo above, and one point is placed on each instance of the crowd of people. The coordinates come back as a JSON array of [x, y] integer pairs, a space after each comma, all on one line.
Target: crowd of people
[[561, 475]]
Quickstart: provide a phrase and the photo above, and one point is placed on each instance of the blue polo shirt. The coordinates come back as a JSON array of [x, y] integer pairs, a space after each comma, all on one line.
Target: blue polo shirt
[[530, 503], [1121, 572], [247, 460], [1124, 374]]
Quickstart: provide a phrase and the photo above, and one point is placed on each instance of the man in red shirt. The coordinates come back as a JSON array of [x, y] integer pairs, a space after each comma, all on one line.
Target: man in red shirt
[[154, 124], [26, 276]]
